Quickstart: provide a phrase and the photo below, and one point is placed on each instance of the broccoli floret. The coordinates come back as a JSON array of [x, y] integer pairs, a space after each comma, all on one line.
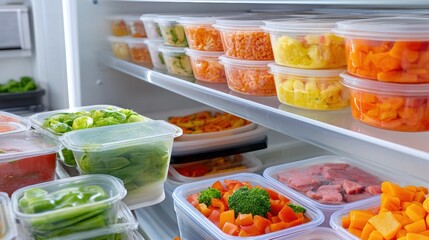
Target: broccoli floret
[[296, 208], [207, 195], [255, 201]]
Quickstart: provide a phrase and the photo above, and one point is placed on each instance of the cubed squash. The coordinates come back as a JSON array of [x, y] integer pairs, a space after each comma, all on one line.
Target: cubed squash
[[359, 218], [416, 227], [415, 212], [386, 224]]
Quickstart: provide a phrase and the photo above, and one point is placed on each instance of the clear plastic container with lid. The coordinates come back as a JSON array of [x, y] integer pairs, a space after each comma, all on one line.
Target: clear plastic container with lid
[[64, 206], [390, 106], [137, 153], [310, 89], [172, 31], [249, 77], [206, 66], [194, 225], [318, 233], [176, 61], [119, 47], [135, 26], [306, 43], [394, 49], [151, 27], [118, 26], [8, 229], [155, 55], [139, 51], [11, 123], [331, 183], [26, 158]]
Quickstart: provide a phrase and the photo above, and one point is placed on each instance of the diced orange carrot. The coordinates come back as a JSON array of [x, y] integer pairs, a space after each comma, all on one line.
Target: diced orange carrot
[[230, 228], [375, 235], [359, 218], [219, 186], [287, 214], [416, 227], [244, 219], [278, 226], [227, 216], [415, 212], [367, 230]]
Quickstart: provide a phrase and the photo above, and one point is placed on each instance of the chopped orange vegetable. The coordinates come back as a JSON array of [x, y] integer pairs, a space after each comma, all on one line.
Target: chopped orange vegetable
[[203, 37], [401, 233], [416, 227], [345, 221], [287, 214], [208, 69], [248, 45], [244, 219], [375, 235], [366, 231], [419, 197], [415, 212], [140, 54], [230, 228], [358, 218], [386, 224], [355, 232], [415, 236]]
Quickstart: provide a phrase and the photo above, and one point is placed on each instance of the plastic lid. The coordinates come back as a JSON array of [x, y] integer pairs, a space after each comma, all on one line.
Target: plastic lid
[[136, 40], [307, 25], [116, 136], [244, 63], [148, 17], [8, 227], [26, 144], [154, 42], [196, 53], [168, 49], [11, 123], [208, 18], [125, 17], [170, 17], [384, 87], [117, 39], [388, 29], [247, 21], [8, 128], [275, 69]]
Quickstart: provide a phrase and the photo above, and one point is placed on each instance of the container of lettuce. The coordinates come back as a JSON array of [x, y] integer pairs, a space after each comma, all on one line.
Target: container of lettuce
[[59, 208], [56, 123], [137, 153]]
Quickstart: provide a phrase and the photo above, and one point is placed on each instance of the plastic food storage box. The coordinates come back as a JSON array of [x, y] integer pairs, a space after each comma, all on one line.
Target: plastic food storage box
[[249, 77], [11, 123], [177, 62], [155, 55], [320, 181], [118, 26], [172, 31], [194, 225], [119, 47], [135, 26], [310, 89], [394, 49], [26, 158], [390, 106], [8, 229], [206, 66], [151, 27], [318, 233], [137, 153], [45, 217], [306, 43], [139, 51]]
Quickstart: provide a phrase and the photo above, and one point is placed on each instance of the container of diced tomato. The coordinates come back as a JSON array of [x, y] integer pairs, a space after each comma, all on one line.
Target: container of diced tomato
[[139, 51], [206, 66], [394, 49], [310, 89], [155, 55], [205, 223], [391, 106], [26, 158], [249, 77], [119, 47], [306, 43], [330, 183], [8, 229], [11, 123]]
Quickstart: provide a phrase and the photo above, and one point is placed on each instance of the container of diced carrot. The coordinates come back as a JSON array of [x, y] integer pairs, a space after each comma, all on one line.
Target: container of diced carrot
[[206, 66], [391, 106], [306, 43], [249, 77], [139, 51], [394, 49]]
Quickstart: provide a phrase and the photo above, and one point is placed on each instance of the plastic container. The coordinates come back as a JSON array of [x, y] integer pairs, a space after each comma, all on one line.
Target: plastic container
[[26, 158], [139, 51], [30, 99], [318, 233], [51, 222], [390, 106], [306, 43], [307, 176], [151, 27], [8, 229], [11, 123], [213, 168], [242, 37], [310, 89], [391, 49], [172, 31], [194, 225], [135, 26], [137, 153], [155, 55], [249, 77], [119, 47], [206, 66], [177, 62], [118, 26]]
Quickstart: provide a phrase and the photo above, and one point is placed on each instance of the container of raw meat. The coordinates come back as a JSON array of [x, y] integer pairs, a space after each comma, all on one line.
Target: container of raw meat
[[330, 183]]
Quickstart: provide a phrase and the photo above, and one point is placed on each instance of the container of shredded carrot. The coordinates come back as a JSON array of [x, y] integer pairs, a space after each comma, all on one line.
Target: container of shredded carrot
[[240, 206], [206, 66], [392, 49], [139, 51], [249, 77], [391, 106]]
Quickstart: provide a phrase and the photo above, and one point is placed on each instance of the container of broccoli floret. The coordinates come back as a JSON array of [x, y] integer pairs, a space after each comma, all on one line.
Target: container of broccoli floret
[[137, 153], [255, 207]]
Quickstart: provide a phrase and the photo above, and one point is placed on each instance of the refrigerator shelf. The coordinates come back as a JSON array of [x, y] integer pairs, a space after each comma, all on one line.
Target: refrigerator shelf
[[14, 53], [335, 131]]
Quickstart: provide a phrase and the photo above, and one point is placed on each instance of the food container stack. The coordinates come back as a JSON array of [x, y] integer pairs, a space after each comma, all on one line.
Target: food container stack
[[388, 71], [154, 40], [308, 61]]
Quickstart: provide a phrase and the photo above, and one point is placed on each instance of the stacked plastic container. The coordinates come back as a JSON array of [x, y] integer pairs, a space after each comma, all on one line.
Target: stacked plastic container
[[154, 40], [309, 59], [387, 64], [127, 39]]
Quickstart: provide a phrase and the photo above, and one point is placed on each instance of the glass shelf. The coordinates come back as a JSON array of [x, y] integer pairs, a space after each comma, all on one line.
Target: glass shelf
[[335, 131], [14, 53], [389, 3]]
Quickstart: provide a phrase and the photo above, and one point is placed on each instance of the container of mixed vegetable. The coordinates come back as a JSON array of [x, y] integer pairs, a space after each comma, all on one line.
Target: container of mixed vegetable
[[137, 153], [240, 205]]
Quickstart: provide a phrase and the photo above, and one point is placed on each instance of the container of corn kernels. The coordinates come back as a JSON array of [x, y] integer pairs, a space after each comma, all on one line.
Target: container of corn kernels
[[306, 43], [310, 89]]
